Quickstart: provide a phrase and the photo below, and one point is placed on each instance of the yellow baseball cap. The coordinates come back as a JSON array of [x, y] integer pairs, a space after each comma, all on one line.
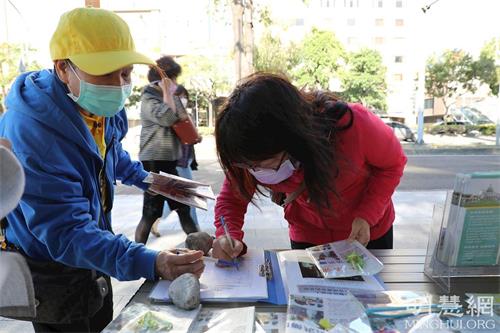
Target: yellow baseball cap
[[96, 40]]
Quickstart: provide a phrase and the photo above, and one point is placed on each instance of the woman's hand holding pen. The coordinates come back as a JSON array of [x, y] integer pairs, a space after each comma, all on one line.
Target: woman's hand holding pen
[[221, 248]]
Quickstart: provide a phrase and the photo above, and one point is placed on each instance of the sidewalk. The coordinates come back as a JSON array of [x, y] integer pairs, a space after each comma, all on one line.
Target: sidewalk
[[433, 144], [264, 228]]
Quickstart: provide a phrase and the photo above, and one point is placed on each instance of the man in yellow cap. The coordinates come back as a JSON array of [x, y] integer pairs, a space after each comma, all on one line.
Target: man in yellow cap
[[65, 126]]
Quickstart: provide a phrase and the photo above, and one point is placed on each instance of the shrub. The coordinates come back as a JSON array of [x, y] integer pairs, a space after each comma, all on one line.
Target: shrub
[[205, 130], [485, 129], [448, 129]]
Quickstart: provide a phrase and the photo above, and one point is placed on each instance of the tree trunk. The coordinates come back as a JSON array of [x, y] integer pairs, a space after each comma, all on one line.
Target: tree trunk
[[242, 11], [446, 110]]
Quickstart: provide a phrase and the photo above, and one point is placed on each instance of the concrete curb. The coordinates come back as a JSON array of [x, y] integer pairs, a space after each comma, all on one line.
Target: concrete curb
[[450, 150]]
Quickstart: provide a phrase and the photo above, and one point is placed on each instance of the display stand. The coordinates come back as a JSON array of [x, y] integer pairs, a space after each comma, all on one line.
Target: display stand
[[441, 264]]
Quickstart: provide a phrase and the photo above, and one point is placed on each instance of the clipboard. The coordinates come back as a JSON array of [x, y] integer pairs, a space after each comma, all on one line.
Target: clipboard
[[277, 293]]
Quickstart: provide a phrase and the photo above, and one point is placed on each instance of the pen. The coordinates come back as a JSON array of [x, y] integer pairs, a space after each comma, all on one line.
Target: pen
[[226, 231], [408, 310]]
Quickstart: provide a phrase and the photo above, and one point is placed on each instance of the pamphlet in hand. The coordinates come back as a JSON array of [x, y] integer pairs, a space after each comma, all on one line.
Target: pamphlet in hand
[[186, 191], [335, 313], [344, 259]]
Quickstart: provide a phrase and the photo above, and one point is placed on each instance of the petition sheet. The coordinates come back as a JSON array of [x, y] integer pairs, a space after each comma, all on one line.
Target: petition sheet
[[218, 283]]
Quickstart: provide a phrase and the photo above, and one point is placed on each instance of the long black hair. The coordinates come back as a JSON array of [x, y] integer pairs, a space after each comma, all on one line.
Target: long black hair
[[266, 115]]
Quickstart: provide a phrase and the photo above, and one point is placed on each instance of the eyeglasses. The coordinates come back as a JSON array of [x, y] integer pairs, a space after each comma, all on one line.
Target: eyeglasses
[[258, 167]]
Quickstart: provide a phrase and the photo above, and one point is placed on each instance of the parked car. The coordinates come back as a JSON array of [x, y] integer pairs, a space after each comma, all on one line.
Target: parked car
[[451, 122], [402, 132], [470, 116]]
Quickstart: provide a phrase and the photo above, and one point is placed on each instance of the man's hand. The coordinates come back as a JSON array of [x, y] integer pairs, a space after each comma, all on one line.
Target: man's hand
[[169, 265], [360, 231], [221, 248]]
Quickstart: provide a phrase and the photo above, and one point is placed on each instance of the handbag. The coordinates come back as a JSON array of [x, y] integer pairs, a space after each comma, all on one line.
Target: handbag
[[186, 131], [64, 294]]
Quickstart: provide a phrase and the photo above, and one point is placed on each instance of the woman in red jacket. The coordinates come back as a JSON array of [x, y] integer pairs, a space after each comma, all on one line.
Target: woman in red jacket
[[337, 165]]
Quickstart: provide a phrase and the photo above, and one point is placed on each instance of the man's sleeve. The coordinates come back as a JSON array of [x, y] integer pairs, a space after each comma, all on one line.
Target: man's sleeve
[[57, 214]]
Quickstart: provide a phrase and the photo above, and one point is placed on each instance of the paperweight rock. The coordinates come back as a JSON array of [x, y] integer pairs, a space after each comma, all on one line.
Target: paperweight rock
[[199, 241], [185, 291]]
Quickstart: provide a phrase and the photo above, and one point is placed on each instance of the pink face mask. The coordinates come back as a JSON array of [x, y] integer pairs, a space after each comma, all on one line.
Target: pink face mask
[[270, 176]]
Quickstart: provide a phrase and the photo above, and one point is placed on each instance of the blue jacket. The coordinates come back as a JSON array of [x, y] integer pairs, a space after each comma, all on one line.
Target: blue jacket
[[58, 217]]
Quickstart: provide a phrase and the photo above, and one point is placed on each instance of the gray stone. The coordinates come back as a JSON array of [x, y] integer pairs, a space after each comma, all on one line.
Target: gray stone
[[199, 241], [185, 291]]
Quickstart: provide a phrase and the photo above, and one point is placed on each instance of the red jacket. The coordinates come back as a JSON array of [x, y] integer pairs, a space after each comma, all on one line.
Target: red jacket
[[371, 162]]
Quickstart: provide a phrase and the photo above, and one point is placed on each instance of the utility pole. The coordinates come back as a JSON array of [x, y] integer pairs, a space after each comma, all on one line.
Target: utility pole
[[420, 96]]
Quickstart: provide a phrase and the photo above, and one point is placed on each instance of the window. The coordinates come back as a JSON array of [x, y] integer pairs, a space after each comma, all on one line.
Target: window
[[400, 22], [429, 103], [299, 22], [379, 22], [327, 3], [351, 21], [379, 40], [398, 77], [352, 41], [398, 59], [399, 3], [351, 3], [380, 3]]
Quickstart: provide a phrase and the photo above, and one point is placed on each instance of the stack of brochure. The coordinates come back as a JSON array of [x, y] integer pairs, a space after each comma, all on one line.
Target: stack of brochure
[[334, 313], [180, 189], [471, 232]]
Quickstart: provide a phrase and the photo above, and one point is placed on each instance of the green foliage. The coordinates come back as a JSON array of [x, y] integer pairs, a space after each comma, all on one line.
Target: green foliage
[[270, 55], [10, 56], [134, 97], [364, 81], [206, 75], [450, 75], [455, 72], [205, 130], [319, 58], [485, 129], [486, 68], [448, 129], [264, 15]]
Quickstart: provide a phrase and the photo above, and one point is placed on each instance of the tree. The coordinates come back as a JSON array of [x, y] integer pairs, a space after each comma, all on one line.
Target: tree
[[364, 80], [205, 78], [455, 73], [270, 55], [320, 57], [487, 67], [449, 76], [11, 65]]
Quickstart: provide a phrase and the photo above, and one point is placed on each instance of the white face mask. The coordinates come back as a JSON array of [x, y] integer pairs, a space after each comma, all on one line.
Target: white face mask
[[11, 181], [270, 176]]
